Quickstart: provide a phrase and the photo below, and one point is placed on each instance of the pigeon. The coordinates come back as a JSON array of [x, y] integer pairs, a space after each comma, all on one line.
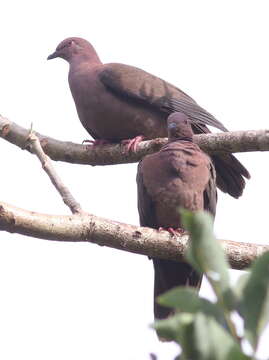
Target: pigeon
[[180, 175], [121, 103]]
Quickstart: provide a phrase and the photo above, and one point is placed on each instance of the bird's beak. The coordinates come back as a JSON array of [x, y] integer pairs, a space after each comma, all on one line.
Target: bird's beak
[[53, 55]]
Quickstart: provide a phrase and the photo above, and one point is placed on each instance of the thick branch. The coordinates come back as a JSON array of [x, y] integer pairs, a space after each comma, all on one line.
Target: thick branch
[[237, 141], [113, 234], [46, 163]]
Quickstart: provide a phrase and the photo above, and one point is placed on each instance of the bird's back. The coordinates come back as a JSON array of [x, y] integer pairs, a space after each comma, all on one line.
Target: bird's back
[[176, 176]]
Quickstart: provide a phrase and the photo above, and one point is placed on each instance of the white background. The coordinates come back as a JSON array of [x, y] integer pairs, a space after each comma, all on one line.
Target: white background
[[80, 301]]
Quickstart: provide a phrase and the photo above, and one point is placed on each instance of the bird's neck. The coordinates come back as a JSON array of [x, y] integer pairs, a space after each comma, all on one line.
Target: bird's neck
[[84, 60]]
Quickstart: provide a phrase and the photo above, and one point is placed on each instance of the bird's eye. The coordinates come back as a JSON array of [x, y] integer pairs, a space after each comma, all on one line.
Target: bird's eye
[[172, 126], [69, 43]]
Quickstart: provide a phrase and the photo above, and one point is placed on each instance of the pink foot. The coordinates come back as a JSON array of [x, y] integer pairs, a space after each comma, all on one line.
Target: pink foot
[[132, 143], [172, 231]]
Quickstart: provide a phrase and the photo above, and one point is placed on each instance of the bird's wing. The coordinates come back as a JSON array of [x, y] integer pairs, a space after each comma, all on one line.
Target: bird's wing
[[141, 87], [144, 201], [196, 113], [210, 193]]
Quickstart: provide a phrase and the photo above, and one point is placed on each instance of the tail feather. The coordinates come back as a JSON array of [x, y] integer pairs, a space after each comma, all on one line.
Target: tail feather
[[169, 274], [230, 174]]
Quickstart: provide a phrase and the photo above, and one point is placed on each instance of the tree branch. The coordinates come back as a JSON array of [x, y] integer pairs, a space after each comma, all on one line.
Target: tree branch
[[87, 227], [90, 228], [66, 195], [237, 141]]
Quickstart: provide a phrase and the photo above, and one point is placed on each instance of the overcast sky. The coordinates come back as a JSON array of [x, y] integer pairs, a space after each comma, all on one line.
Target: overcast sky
[[62, 301]]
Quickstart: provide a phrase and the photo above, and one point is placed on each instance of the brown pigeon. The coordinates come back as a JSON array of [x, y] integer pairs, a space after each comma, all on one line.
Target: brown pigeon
[[179, 175], [116, 102]]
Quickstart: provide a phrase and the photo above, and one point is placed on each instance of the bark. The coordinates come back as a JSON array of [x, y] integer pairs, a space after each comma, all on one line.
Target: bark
[[139, 240], [237, 141]]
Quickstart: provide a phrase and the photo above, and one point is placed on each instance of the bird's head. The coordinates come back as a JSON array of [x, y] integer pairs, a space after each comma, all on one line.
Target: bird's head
[[179, 127], [75, 48]]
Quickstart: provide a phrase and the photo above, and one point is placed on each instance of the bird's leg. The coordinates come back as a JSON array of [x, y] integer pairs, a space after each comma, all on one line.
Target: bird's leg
[[132, 143], [172, 231], [95, 142]]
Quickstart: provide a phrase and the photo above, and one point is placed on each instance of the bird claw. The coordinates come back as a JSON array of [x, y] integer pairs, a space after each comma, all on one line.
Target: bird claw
[[172, 231], [131, 144]]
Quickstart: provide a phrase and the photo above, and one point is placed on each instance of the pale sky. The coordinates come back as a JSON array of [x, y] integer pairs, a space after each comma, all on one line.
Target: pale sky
[[63, 301]]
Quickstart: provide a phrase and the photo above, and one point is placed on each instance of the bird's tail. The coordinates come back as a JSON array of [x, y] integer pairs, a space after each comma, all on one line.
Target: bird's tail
[[169, 274], [230, 174]]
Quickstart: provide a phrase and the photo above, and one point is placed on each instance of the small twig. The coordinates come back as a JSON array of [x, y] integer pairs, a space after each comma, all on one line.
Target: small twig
[[47, 166]]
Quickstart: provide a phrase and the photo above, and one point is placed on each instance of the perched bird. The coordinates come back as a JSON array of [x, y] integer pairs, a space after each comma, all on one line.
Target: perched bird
[[117, 102], [179, 175]]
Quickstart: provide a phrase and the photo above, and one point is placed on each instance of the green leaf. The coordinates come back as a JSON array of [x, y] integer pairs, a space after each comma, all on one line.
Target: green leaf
[[254, 304], [200, 337], [212, 342], [187, 300], [174, 327], [240, 284], [206, 255]]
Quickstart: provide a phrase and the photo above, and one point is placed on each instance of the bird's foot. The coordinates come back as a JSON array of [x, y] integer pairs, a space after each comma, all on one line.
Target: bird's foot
[[172, 231], [131, 144], [90, 143]]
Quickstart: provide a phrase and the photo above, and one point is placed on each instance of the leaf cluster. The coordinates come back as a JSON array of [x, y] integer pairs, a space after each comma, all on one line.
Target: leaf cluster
[[206, 330]]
